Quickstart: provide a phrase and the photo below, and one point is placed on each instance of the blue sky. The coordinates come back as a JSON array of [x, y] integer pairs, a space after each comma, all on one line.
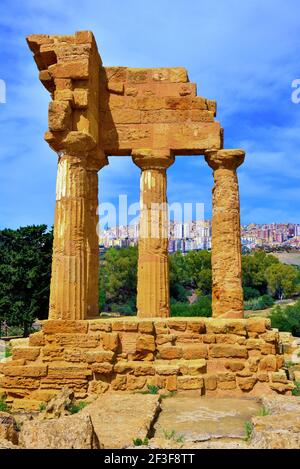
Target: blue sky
[[243, 54]]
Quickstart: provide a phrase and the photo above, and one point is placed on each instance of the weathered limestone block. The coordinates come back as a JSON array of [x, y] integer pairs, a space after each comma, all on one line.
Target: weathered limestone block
[[210, 382], [226, 380], [194, 351], [104, 368], [145, 342], [71, 432], [280, 431], [27, 371], [268, 363], [170, 353], [226, 242], [247, 383], [26, 353], [37, 339], [259, 325], [227, 351], [190, 382], [8, 428], [192, 367], [234, 365], [99, 356], [65, 327]]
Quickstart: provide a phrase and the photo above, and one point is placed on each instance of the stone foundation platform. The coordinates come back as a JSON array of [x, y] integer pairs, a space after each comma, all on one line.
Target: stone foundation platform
[[214, 356]]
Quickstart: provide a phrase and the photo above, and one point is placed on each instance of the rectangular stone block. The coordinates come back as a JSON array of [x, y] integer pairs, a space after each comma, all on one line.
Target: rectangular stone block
[[230, 339], [104, 368], [28, 371], [65, 327], [192, 367], [75, 340], [20, 382], [26, 353], [124, 325], [76, 70], [166, 369], [100, 325], [110, 341], [170, 352], [227, 351], [145, 342], [68, 371], [189, 382], [194, 351], [146, 327], [37, 339], [259, 325], [98, 356]]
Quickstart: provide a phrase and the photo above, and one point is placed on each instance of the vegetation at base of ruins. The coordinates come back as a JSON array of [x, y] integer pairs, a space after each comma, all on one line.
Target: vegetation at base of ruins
[[263, 412], [7, 352], [172, 435], [296, 390], [140, 442], [259, 303], [25, 269], [287, 319], [248, 427], [201, 308], [289, 363], [169, 394], [152, 389], [74, 408], [3, 405], [42, 407]]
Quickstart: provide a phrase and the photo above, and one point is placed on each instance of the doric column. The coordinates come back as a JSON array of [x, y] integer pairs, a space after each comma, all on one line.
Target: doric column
[[227, 292], [75, 262], [153, 290]]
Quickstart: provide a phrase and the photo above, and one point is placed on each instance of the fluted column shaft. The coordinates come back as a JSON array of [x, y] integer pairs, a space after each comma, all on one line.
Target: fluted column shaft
[[153, 290], [227, 291], [75, 261]]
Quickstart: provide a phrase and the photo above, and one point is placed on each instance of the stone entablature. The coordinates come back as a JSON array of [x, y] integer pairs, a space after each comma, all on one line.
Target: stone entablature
[[213, 356]]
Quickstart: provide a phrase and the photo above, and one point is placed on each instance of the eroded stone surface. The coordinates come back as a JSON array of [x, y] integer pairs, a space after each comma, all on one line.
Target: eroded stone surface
[[119, 418], [199, 418], [72, 432]]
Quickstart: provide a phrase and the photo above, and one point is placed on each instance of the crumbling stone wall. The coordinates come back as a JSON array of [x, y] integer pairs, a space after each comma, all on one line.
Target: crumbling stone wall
[[212, 356]]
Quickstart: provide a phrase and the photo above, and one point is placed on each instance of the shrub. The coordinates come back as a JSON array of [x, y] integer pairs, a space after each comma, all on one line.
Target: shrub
[[250, 293], [262, 302], [296, 390], [201, 308], [172, 435], [140, 442], [248, 430], [42, 407], [3, 405], [75, 408], [287, 319]]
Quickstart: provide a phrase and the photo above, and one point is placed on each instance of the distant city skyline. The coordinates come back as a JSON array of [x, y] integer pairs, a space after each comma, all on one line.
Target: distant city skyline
[[196, 235]]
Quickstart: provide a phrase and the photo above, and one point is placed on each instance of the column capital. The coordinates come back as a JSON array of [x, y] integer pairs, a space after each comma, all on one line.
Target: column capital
[[225, 159], [146, 158]]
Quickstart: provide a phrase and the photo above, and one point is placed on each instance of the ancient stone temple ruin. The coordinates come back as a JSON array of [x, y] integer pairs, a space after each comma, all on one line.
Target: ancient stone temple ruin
[[153, 115]]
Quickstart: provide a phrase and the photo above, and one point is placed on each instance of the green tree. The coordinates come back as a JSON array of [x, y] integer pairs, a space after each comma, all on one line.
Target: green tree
[[25, 270], [287, 318], [199, 268], [254, 267], [282, 279], [118, 277]]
